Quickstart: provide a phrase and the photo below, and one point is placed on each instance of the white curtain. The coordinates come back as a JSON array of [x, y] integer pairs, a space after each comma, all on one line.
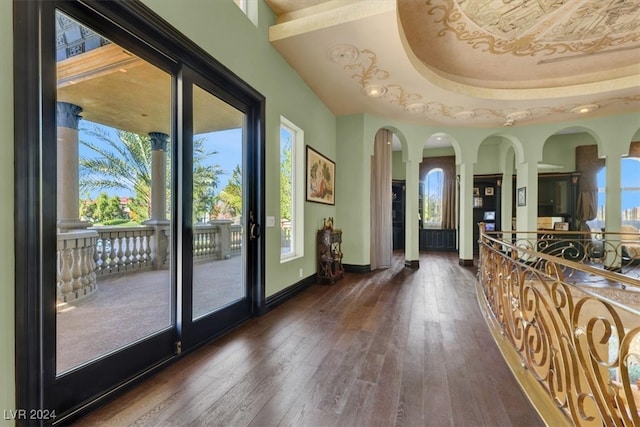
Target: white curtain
[[381, 231]]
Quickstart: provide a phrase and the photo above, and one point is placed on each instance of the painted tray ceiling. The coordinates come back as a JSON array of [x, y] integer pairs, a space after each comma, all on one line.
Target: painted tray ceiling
[[474, 63]]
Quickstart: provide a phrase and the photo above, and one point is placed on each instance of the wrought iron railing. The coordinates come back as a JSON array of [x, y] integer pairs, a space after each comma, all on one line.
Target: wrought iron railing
[[566, 313]]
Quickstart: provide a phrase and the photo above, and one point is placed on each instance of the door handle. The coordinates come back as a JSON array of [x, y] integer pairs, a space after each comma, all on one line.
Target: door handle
[[254, 228]]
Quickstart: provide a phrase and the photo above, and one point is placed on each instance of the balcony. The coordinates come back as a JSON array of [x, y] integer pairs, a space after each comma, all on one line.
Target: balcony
[[113, 284]]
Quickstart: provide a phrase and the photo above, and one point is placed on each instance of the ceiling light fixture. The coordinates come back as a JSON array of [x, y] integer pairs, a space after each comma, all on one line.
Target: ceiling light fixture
[[375, 91], [583, 109], [343, 54]]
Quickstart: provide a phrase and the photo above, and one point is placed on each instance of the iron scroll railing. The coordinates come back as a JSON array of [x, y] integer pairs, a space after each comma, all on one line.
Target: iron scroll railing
[[569, 327]]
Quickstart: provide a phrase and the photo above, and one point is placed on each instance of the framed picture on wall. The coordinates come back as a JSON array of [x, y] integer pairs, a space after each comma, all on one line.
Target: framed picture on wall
[[488, 191], [562, 226], [476, 191], [477, 202], [321, 178], [522, 196]]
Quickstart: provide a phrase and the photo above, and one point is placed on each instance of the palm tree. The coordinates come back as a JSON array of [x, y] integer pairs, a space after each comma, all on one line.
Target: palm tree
[[122, 162]]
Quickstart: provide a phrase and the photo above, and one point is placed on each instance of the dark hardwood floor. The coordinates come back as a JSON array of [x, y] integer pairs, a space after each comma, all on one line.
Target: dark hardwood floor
[[397, 347]]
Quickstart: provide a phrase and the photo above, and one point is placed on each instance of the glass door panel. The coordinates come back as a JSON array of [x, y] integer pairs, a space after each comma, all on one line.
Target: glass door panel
[[113, 274], [218, 208]]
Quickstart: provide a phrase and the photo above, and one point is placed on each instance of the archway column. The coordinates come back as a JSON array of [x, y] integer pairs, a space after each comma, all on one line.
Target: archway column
[[527, 192], [613, 209], [412, 231], [465, 232]]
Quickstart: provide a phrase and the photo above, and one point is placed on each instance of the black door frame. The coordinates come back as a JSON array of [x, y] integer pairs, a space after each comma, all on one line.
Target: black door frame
[[34, 124]]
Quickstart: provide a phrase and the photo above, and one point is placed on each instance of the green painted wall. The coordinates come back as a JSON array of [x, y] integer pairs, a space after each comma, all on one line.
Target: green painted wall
[[352, 195], [221, 29], [229, 36], [7, 257], [398, 169]]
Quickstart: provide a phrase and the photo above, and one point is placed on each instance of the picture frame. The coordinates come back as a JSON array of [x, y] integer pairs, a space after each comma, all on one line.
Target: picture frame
[[477, 202], [522, 196], [488, 191], [321, 183], [476, 191], [562, 226]]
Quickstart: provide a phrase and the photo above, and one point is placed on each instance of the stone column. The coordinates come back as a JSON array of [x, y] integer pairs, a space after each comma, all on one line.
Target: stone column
[[68, 184], [159, 142], [160, 238], [75, 276]]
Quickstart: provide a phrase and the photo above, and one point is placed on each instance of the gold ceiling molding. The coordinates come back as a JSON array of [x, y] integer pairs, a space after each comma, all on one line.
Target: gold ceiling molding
[[369, 73], [593, 26]]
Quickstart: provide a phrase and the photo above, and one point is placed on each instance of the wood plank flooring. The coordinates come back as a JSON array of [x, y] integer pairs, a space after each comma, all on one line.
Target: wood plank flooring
[[396, 347]]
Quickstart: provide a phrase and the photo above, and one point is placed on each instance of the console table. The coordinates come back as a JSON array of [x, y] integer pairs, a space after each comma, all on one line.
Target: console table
[[329, 241]]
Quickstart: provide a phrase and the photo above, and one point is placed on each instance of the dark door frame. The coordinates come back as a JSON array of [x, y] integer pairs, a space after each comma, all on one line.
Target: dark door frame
[[130, 23]]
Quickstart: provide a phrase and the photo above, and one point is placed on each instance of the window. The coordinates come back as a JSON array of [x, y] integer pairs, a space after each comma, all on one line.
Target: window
[[249, 8], [432, 213], [598, 222], [291, 190], [630, 191], [630, 194]]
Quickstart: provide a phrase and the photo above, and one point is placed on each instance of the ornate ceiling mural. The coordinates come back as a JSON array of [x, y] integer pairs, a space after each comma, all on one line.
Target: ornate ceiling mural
[[521, 42], [377, 82], [470, 63]]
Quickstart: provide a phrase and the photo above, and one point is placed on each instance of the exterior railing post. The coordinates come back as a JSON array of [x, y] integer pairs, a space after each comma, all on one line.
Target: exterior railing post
[[223, 249], [159, 243]]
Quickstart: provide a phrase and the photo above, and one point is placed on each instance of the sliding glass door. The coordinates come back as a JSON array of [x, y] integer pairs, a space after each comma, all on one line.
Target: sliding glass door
[[217, 214], [142, 199]]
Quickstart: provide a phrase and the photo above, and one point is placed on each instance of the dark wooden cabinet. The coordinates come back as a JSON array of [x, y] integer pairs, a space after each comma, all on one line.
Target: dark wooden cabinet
[[397, 213], [329, 244], [557, 196], [432, 239]]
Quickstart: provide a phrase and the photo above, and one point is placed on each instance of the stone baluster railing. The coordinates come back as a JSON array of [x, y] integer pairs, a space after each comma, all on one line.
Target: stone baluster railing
[[204, 242], [235, 244], [122, 249], [76, 277], [216, 240]]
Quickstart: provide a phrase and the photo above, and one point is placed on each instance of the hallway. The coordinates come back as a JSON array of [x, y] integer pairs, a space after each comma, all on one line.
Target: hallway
[[393, 347]]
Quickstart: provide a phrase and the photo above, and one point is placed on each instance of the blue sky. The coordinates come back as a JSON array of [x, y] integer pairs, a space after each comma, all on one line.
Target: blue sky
[[630, 178]]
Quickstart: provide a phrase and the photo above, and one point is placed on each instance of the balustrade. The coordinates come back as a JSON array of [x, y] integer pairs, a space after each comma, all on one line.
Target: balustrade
[[568, 326], [84, 255], [122, 249], [235, 244], [76, 277]]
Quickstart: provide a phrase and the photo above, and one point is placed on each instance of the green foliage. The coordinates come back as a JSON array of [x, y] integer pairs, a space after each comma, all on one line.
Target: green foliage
[[116, 222], [285, 184], [88, 209], [230, 197], [108, 208]]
